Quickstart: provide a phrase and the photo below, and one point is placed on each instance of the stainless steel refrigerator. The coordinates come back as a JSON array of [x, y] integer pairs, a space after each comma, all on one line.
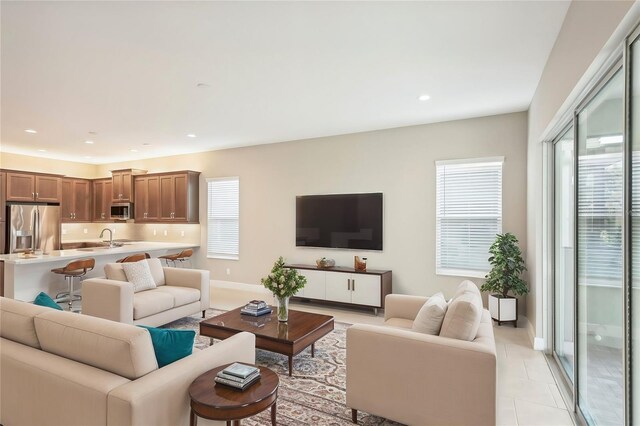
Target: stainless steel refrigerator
[[33, 227]]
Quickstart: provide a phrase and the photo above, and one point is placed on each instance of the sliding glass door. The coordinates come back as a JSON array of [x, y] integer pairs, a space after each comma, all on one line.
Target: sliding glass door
[[600, 184], [564, 252]]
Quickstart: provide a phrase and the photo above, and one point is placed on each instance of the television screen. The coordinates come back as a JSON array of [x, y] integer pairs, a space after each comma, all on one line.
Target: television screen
[[352, 221]]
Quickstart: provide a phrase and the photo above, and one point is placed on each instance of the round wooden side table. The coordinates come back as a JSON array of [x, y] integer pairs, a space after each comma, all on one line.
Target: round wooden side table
[[218, 402]]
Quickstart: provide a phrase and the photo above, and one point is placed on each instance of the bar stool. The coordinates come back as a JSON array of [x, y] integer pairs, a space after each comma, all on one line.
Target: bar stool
[[134, 258], [181, 257], [76, 269]]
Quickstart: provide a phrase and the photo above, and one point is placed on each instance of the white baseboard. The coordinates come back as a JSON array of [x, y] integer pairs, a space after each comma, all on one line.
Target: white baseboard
[[536, 342]]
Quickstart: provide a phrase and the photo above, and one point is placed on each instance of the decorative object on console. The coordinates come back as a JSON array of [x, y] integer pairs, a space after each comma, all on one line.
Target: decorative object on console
[[504, 277], [325, 263], [283, 283], [359, 264]]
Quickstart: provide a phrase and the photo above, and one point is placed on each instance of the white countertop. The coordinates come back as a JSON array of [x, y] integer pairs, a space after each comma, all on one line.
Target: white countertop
[[57, 255]]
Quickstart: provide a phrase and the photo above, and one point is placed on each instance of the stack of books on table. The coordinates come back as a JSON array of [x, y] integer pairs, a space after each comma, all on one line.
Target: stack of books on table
[[238, 376], [256, 308]]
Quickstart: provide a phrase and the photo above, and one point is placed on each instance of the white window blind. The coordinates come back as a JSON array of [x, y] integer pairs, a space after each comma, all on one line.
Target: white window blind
[[223, 224], [468, 214], [600, 185]]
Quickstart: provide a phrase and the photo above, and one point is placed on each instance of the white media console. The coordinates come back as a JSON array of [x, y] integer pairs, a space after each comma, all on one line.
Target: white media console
[[345, 286]]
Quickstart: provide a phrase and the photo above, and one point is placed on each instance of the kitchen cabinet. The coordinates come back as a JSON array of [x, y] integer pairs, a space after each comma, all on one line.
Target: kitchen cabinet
[[345, 286], [147, 198], [179, 197], [3, 200], [122, 184], [28, 187], [102, 195], [76, 200]]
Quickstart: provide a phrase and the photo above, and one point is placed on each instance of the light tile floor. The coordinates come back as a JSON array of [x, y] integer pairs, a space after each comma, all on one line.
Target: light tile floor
[[527, 392]]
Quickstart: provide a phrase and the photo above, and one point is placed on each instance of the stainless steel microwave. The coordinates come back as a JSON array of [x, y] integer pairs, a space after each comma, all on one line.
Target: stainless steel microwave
[[121, 211]]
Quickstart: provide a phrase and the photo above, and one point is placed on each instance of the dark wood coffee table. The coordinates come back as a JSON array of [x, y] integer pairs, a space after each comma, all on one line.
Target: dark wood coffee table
[[212, 401], [289, 338]]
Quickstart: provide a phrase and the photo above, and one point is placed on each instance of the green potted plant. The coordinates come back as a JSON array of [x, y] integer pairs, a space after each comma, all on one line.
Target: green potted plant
[[283, 282], [505, 277]]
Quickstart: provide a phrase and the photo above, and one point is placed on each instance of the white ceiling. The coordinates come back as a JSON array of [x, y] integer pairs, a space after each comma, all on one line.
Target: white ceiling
[[276, 71]]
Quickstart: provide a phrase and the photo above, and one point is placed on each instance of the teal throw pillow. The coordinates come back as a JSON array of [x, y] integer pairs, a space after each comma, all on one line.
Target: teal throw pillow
[[43, 299], [171, 345]]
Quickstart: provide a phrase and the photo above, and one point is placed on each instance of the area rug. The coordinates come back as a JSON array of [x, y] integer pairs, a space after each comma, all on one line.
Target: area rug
[[315, 394]]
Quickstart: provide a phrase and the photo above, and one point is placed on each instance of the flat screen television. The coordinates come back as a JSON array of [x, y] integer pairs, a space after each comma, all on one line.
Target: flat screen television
[[349, 221]]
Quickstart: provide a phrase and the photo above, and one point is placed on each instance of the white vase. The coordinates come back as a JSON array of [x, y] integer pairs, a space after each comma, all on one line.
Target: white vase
[[503, 309]]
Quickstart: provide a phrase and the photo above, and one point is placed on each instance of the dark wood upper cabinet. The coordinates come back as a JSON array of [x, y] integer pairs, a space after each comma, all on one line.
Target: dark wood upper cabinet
[[3, 200], [147, 198], [102, 196], [123, 186], [76, 200], [26, 187], [168, 197]]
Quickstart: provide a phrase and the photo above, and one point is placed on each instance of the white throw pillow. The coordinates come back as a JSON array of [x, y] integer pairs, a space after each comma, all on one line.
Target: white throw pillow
[[139, 274], [430, 317], [155, 265]]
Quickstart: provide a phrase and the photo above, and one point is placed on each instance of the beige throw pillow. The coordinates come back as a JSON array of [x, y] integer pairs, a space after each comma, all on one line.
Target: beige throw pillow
[[430, 317], [139, 274], [114, 271], [155, 265], [463, 316]]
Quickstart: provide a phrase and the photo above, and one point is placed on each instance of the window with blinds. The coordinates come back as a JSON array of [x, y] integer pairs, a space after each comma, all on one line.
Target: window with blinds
[[600, 186], [223, 218], [468, 214]]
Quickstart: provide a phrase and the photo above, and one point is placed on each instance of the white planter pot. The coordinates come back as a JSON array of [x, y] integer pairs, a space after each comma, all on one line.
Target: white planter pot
[[503, 309]]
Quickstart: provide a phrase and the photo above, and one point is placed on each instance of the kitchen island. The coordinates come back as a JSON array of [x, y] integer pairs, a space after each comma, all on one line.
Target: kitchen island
[[24, 278]]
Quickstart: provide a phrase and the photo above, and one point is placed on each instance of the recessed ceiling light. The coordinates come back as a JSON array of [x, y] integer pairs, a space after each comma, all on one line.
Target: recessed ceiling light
[[92, 133], [424, 97], [30, 131], [146, 144], [133, 150], [191, 135], [89, 142], [42, 150], [202, 85]]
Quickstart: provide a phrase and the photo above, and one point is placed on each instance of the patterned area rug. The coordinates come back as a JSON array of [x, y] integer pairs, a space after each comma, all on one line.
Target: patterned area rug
[[315, 394]]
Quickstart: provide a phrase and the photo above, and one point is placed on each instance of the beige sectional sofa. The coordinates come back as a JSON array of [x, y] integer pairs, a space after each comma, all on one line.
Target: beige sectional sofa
[[60, 368], [179, 293], [421, 379]]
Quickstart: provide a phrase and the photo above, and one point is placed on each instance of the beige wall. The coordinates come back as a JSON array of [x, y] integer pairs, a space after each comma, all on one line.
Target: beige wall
[[398, 162], [47, 165], [581, 43]]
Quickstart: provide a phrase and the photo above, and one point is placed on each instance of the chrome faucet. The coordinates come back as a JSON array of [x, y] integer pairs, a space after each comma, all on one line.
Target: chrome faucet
[[111, 245]]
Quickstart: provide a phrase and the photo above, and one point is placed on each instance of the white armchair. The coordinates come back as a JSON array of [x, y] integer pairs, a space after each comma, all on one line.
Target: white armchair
[[420, 379]]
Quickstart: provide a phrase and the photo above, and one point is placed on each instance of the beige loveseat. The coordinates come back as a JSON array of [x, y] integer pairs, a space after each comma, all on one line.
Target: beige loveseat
[[60, 368], [421, 379], [179, 293]]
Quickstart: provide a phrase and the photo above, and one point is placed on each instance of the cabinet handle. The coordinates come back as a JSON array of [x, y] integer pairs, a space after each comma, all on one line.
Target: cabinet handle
[[37, 196], [101, 215], [353, 285], [33, 195], [348, 284]]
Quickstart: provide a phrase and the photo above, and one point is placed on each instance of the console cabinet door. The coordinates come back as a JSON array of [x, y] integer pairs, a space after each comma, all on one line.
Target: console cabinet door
[[337, 287], [48, 189], [21, 187], [365, 289], [316, 284]]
